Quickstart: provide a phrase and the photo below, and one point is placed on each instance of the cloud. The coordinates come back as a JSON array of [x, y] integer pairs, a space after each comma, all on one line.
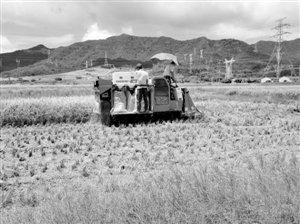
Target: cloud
[[223, 31], [46, 18], [34, 22], [95, 33], [25, 42], [6, 45], [186, 20]]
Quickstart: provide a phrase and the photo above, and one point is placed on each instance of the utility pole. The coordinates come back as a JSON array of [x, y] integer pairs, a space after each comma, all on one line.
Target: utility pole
[[55, 61], [219, 71]]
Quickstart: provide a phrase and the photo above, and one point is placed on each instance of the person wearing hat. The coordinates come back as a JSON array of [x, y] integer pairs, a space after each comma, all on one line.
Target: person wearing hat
[[169, 73], [142, 88]]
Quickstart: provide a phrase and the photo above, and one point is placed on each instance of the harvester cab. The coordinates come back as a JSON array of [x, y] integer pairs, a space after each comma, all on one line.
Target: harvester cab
[[116, 100]]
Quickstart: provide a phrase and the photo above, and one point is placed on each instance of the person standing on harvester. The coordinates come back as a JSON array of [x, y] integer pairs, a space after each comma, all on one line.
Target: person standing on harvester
[[142, 88], [169, 73]]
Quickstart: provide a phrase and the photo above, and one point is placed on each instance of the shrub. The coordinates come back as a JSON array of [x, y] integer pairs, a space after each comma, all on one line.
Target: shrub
[[238, 80], [226, 80]]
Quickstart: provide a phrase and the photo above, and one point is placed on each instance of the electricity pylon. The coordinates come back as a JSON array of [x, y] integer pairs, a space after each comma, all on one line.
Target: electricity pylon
[[228, 64], [255, 48], [201, 54], [18, 61], [49, 56], [105, 59], [279, 51], [191, 63], [184, 57]]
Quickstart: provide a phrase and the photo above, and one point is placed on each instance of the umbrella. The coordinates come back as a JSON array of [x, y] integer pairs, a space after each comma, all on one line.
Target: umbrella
[[166, 56]]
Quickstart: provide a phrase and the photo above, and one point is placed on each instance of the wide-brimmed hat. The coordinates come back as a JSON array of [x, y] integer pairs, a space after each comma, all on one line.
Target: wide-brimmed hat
[[138, 66]]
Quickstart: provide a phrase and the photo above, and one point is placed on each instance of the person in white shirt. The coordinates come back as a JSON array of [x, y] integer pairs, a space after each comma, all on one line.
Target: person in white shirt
[[142, 88]]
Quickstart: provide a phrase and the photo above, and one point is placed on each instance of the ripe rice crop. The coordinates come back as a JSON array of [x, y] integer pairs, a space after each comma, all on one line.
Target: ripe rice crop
[[39, 91], [272, 93], [288, 92], [208, 171], [49, 104], [45, 110], [262, 191], [239, 164]]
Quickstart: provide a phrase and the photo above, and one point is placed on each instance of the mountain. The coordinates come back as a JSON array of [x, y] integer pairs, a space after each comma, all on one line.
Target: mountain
[[142, 48], [128, 50], [26, 57], [290, 48]]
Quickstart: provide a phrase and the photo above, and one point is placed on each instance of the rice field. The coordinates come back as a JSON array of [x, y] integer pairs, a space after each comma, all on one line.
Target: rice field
[[239, 164]]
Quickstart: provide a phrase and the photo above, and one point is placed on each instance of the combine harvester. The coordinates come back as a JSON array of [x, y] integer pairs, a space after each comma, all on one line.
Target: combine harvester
[[116, 101]]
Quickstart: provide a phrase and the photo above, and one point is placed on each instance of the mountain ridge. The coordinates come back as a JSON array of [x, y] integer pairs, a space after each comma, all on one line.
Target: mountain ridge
[[27, 57], [135, 48]]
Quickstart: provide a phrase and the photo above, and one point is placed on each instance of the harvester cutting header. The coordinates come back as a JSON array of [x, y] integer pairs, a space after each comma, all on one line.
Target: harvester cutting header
[[131, 96]]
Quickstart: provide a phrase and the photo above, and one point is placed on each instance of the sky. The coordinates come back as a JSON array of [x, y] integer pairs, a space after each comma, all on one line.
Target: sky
[[54, 23]]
